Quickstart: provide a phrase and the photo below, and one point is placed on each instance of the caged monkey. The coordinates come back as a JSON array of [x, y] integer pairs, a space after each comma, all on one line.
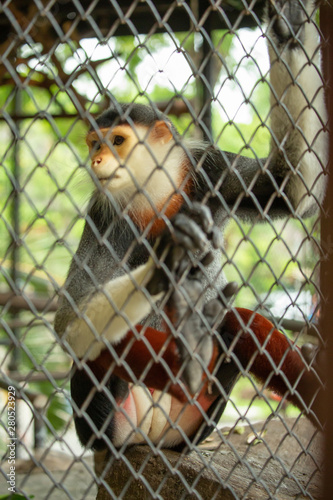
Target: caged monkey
[[145, 304]]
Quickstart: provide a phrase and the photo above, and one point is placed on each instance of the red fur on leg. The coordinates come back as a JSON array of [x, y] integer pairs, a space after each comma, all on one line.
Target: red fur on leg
[[263, 350], [269, 355], [139, 356]]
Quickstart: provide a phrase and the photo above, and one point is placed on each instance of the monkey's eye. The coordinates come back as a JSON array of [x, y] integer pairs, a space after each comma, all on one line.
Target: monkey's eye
[[118, 140], [95, 145]]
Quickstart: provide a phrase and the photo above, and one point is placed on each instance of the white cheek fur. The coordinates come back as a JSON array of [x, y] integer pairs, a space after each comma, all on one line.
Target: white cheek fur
[[150, 174]]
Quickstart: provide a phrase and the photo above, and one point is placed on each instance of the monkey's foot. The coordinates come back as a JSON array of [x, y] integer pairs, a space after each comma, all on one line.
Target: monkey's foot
[[316, 359], [287, 19], [195, 322], [186, 236]]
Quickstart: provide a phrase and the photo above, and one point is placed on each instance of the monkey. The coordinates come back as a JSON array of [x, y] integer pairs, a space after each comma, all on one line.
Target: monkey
[[146, 334]]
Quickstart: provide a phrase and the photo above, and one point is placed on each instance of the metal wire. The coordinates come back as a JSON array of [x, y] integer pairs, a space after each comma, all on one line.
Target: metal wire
[[62, 65]]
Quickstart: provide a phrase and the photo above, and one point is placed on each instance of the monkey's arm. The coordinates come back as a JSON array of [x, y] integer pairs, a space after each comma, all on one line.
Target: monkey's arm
[[123, 302], [292, 178], [111, 312]]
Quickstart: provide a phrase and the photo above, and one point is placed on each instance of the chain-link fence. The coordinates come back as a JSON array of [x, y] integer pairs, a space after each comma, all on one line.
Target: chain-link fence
[[163, 172]]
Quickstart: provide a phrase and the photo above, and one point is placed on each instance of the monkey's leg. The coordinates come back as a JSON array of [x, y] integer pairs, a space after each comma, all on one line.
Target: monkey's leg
[[152, 358], [248, 342], [274, 359]]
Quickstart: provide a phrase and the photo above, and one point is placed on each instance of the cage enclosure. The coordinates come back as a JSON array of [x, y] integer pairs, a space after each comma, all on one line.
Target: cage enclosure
[[163, 172]]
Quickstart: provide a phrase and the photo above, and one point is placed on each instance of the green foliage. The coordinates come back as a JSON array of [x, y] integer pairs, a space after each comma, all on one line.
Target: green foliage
[[265, 259], [249, 403]]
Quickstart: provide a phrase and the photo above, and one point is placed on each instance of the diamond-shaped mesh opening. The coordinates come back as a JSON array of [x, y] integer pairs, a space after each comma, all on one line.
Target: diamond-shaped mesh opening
[[129, 368]]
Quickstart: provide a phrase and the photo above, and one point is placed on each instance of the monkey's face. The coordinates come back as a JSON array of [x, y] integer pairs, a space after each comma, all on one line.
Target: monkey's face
[[136, 162], [109, 150]]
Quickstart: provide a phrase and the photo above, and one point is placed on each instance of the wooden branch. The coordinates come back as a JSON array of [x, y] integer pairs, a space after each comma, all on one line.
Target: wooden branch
[[28, 303], [39, 376], [21, 323], [178, 108]]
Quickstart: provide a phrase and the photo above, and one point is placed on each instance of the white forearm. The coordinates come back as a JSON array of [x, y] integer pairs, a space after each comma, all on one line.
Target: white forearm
[[111, 312]]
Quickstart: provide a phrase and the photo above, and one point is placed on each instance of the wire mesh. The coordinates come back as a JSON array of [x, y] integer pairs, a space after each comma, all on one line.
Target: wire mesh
[[130, 368]]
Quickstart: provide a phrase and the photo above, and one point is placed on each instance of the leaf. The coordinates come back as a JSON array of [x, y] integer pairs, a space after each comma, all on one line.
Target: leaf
[[255, 438]]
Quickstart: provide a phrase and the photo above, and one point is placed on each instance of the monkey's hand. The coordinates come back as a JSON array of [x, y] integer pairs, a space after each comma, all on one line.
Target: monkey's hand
[[317, 360], [315, 357], [183, 253], [177, 250]]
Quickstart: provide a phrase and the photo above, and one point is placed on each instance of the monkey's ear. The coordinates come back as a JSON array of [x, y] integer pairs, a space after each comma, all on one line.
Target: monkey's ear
[[161, 132]]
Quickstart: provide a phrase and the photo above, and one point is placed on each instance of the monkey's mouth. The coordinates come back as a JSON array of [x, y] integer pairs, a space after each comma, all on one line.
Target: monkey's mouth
[[109, 178]]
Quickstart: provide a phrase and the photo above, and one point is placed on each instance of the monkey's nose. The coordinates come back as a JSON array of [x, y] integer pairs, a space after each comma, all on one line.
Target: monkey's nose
[[96, 162]]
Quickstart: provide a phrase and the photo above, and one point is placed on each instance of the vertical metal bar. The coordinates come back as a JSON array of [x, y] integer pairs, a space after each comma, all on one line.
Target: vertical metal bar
[[207, 75], [15, 218], [326, 23], [15, 248], [207, 85]]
